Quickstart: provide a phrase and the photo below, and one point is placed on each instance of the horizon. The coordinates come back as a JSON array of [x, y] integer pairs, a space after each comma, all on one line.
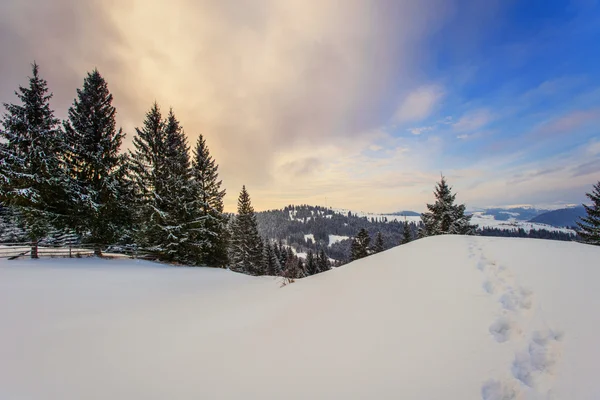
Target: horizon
[[352, 105]]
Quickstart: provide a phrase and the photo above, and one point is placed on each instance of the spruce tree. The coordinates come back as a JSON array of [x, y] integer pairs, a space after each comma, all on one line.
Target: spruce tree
[[271, 262], [95, 165], [378, 247], [323, 262], [282, 253], [211, 232], [294, 268], [589, 226], [360, 245], [246, 244], [32, 172], [311, 264], [445, 217], [177, 198], [148, 177], [406, 233]]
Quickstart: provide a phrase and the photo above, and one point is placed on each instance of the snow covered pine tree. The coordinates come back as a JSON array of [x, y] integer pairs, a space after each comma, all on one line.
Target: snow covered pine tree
[[323, 262], [147, 174], [272, 265], [211, 227], [444, 217], [589, 227], [360, 245], [406, 233], [96, 168], [178, 200], [32, 177], [378, 247], [246, 244]]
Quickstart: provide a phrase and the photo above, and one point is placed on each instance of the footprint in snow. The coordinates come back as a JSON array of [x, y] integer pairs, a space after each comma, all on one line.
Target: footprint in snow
[[499, 390], [503, 329], [516, 299], [538, 359]]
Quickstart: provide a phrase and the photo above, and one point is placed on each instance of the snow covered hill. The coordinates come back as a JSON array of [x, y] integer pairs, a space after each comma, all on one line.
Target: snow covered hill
[[457, 318]]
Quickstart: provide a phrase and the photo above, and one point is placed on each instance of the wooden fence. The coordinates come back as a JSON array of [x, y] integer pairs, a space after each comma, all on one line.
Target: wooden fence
[[13, 251]]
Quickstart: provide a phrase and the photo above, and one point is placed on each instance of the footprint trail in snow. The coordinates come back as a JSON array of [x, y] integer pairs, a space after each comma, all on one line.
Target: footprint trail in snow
[[539, 347]]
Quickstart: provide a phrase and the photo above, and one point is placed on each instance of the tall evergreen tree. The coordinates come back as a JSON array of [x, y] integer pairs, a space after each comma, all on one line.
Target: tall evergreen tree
[[294, 268], [177, 198], [378, 247], [311, 264], [360, 245], [406, 233], [148, 177], [246, 244], [271, 262], [323, 262], [32, 173], [95, 165], [589, 226], [211, 220], [445, 217]]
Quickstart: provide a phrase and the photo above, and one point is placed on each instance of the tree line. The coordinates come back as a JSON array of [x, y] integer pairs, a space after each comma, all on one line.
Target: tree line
[[70, 178]]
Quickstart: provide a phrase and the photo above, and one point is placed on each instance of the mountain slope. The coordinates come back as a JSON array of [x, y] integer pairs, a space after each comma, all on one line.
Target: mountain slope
[[458, 318], [566, 217]]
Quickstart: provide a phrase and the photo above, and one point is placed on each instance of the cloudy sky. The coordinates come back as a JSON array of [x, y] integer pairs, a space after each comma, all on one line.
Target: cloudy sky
[[357, 104]]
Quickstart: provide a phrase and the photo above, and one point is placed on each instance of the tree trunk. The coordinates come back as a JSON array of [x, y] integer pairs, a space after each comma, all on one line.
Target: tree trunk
[[98, 250], [34, 249]]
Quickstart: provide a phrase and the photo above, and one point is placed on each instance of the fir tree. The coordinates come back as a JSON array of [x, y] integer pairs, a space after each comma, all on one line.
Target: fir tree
[[32, 172], [177, 200], [323, 262], [271, 262], [211, 227], [360, 245], [246, 244], [406, 233], [311, 264], [148, 177], [589, 226], [277, 251], [95, 165], [444, 217], [294, 268], [378, 247]]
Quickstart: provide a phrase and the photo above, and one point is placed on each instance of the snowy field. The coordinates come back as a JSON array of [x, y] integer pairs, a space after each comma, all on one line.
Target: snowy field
[[439, 318], [333, 239]]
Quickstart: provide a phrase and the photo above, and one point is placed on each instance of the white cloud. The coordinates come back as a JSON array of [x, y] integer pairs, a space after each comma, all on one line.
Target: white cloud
[[420, 130], [473, 120], [419, 103], [463, 136]]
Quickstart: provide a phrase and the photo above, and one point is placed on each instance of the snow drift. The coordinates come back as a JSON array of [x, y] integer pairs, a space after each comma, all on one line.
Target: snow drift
[[443, 317]]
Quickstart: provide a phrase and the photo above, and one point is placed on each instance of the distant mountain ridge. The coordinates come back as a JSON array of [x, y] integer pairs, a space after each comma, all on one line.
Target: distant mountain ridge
[[518, 213], [406, 213], [564, 217]]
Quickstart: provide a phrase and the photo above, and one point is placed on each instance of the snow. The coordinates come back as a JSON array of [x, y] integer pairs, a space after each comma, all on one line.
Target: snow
[[309, 236], [445, 317], [337, 238]]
